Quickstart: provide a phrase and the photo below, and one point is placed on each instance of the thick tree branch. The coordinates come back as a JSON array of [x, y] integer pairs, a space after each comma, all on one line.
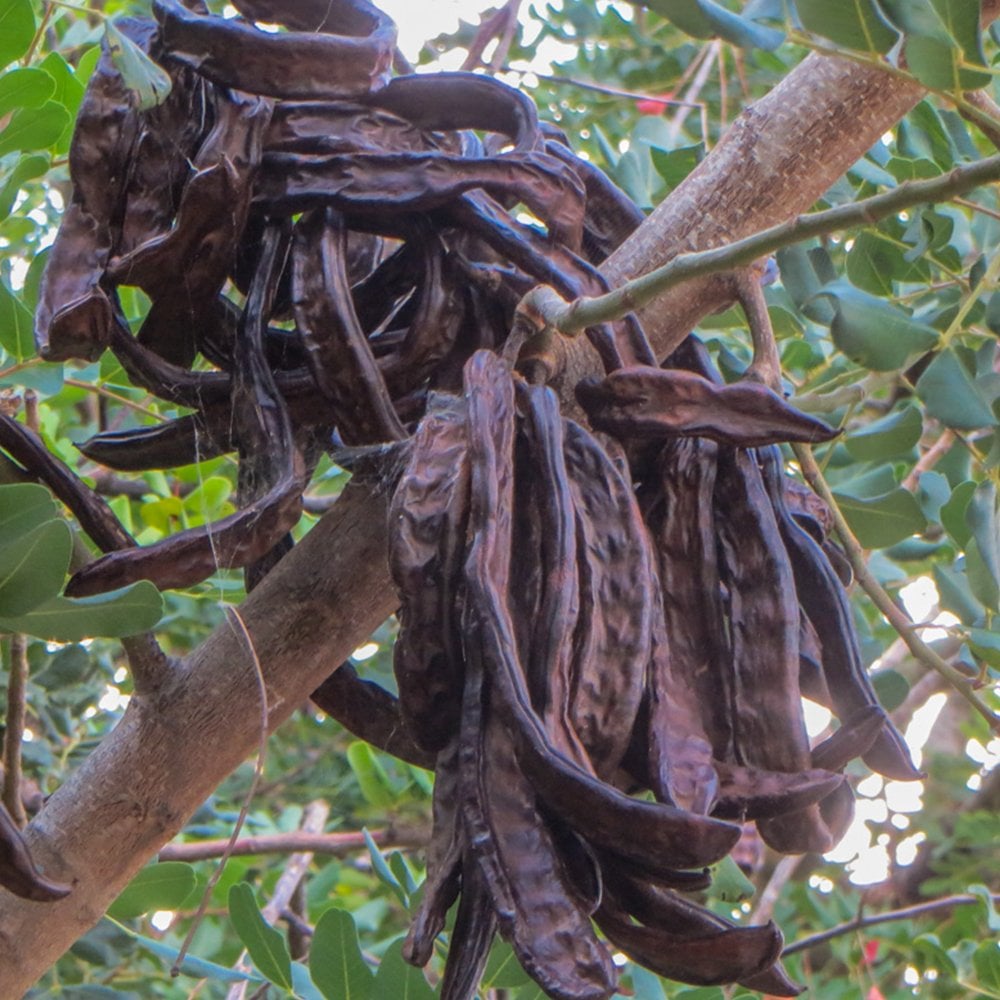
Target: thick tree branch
[[136, 791]]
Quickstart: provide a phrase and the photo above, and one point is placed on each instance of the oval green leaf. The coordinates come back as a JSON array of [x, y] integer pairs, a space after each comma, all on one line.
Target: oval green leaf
[[160, 886], [894, 434], [149, 82], [34, 128], [265, 946], [33, 567], [335, 960], [16, 336], [854, 24], [883, 521], [25, 88], [132, 609], [952, 395], [397, 980], [23, 506], [17, 29]]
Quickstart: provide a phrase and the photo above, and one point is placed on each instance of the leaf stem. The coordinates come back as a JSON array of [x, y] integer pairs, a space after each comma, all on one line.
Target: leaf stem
[[583, 312], [860, 922], [896, 617], [17, 683]]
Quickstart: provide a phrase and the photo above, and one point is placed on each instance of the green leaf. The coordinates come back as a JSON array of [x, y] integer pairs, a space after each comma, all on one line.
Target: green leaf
[[953, 513], [894, 434], [198, 968], [503, 971], [884, 520], [265, 946], [646, 985], [17, 29], [983, 518], [989, 906], [132, 609], [707, 19], [69, 90], [16, 336], [873, 333], [985, 644], [335, 960], [372, 778], [980, 576], [303, 985], [25, 88], [382, 869], [986, 962], [891, 688], [24, 506], [26, 168], [675, 164], [952, 396], [729, 883], [956, 596], [33, 567], [854, 24], [163, 885], [398, 980], [149, 82], [34, 128]]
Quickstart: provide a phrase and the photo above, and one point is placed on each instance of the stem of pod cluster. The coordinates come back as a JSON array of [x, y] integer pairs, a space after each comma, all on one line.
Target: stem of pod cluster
[[896, 617]]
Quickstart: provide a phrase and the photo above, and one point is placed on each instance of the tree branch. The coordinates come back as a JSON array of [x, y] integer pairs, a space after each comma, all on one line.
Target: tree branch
[[907, 913]]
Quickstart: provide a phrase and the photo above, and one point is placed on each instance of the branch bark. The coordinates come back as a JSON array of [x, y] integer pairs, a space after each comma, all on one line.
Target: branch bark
[[136, 791]]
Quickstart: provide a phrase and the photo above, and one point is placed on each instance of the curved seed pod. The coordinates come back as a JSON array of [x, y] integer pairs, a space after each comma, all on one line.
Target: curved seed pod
[[651, 834], [369, 712], [690, 684], [550, 659], [613, 866], [710, 959], [837, 810], [851, 740], [339, 354], [670, 912], [73, 319], [163, 446], [517, 858], [475, 928], [769, 731], [240, 55], [611, 215], [366, 183], [263, 431], [811, 680], [611, 643], [435, 326], [17, 870], [444, 867], [198, 252], [755, 794], [448, 102], [651, 403], [90, 509], [377, 295], [426, 542], [826, 604]]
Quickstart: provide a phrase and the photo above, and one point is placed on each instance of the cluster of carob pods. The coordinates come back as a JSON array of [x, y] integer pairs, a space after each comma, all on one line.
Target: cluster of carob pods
[[589, 614]]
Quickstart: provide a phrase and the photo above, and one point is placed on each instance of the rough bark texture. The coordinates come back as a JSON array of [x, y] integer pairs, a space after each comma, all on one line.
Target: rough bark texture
[[169, 752]]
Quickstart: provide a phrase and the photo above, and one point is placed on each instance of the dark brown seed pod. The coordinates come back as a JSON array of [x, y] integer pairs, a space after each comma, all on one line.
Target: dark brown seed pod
[[17, 869]]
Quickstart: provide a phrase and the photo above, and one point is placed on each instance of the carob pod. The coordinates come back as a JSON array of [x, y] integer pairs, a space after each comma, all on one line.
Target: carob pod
[[612, 639], [242, 56], [828, 608], [652, 403], [339, 354], [444, 864], [191, 556], [652, 834], [74, 316], [426, 546], [17, 869], [769, 730], [550, 657]]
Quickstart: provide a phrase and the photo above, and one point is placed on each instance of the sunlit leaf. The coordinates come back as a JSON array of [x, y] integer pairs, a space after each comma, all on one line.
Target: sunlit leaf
[[163, 885], [854, 24], [149, 82], [398, 980], [33, 567], [34, 128], [17, 29], [265, 946], [25, 88], [335, 961]]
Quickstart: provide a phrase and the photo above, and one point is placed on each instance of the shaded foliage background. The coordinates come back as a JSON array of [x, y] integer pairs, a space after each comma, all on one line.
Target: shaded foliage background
[[890, 332]]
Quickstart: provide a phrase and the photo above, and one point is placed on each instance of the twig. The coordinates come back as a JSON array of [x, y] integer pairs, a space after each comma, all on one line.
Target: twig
[[583, 312], [332, 844], [258, 769], [17, 682], [859, 923], [929, 459], [896, 617], [314, 818], [783, 872], [766, 365]]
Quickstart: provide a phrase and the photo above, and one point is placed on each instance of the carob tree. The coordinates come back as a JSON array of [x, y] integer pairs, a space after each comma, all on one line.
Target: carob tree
[[344, 250]]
